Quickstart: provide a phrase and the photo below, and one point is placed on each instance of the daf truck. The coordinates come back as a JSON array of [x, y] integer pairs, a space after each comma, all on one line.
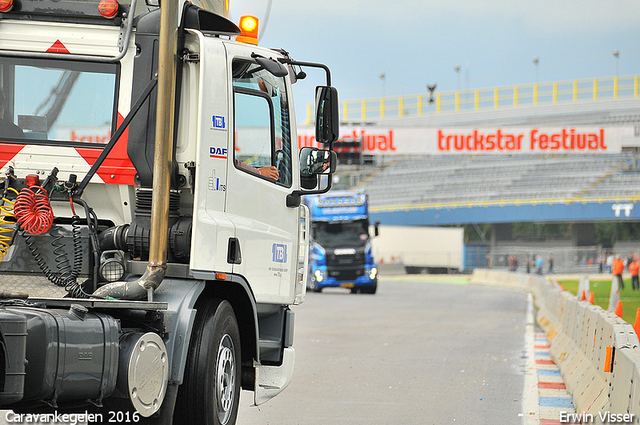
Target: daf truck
[[150, 222]]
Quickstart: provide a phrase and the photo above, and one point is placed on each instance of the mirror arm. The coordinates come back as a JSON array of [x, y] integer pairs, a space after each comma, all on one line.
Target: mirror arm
[[315, 191], [293, 199], [289, 61]]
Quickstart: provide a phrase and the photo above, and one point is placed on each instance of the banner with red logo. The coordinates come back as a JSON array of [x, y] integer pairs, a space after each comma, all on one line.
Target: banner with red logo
[[498, 140]]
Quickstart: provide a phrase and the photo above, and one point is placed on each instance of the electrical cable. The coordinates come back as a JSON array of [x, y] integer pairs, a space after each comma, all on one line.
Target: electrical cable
[[33, 210], [34, 215], [7, 224], [266, 20]]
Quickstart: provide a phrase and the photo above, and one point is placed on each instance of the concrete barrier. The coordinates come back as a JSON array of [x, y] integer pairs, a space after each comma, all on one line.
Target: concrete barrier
[[597, 352]]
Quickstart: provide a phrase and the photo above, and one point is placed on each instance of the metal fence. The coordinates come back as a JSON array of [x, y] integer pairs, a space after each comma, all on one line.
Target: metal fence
[[554, 260], [545, 93]]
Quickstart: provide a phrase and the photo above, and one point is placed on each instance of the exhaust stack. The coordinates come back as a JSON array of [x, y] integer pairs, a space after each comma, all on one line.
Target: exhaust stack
[[153, 276]]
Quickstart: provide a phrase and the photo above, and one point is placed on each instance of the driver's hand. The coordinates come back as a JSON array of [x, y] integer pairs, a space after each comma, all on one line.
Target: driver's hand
[[271, 172]]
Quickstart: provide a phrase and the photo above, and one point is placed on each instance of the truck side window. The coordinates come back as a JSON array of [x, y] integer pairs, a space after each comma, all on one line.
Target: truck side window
[[253, 130], [261, 120]]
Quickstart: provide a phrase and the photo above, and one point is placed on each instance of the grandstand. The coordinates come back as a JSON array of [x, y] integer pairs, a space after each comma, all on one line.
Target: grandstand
[[412, 181], [481, 180]]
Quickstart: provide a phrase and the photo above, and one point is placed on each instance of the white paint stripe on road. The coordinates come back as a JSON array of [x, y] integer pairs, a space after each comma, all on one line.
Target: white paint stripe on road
[[530, 404]]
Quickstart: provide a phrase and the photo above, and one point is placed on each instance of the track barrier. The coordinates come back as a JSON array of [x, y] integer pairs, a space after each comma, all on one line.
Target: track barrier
[[597, 352]]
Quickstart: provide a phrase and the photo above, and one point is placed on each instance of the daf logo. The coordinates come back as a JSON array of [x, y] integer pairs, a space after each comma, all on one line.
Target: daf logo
[[622, 207], [344, 251]]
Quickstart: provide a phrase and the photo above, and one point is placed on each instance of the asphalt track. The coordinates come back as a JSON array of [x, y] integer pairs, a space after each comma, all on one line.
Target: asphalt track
[[423, 350]]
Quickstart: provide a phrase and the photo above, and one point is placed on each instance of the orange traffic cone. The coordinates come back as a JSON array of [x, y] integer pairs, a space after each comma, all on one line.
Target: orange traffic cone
[[636, 326], [584, 296], [591, 298], [619, 309]]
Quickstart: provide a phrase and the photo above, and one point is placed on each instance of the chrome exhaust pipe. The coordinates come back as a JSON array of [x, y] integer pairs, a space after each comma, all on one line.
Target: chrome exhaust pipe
[[167, 59]]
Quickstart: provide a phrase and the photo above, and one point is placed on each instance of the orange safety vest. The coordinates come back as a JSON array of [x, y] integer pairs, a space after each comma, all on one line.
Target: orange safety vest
[[618, 266]]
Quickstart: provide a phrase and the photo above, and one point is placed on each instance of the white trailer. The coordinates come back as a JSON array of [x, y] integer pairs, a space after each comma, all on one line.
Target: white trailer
[[420, 249]]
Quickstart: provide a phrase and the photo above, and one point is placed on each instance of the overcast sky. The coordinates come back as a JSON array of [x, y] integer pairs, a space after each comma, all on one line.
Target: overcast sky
[[420, 42]]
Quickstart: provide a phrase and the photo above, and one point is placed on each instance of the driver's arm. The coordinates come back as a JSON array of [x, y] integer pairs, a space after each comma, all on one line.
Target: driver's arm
[[271, 172]]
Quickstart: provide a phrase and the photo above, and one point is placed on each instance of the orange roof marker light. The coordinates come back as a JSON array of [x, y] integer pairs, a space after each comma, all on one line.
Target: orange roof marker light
[[108, 8], [249, 28], [6, 5]]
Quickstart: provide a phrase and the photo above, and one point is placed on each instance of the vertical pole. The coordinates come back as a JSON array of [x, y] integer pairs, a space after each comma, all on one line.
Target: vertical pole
[[615, 88], [535, 94], [457, 101], [438, 103], [419, 105], [555, 93], [595, 89], [309, 113], [381, 108], [496, 98], [400, 107], [515, 96], [575, 91], [635, 87], [476, 99], [164, 135], [345, 112], [364, 110]]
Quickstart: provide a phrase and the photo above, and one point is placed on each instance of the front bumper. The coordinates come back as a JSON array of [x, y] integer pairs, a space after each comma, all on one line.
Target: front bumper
[[320, 280]]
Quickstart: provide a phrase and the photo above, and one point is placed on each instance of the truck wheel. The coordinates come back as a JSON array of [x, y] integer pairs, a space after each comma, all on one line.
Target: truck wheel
[[210, 392], [371, 289]]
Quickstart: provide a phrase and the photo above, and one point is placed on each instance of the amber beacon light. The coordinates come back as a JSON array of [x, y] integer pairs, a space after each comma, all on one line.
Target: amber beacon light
[[249, 28]]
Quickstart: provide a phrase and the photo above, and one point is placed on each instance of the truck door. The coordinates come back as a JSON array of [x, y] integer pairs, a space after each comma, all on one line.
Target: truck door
[[266, 230]]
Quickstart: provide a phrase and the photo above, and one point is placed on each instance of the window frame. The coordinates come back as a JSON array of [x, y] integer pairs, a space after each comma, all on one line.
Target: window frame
[[272, 133], [9, 79]]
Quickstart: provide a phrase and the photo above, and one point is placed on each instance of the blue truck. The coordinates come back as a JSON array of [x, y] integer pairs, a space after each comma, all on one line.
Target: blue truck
[[340, 249]]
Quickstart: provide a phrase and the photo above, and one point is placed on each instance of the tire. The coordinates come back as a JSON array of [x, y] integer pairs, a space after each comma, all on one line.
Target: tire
[[371, 289], [210, 392]]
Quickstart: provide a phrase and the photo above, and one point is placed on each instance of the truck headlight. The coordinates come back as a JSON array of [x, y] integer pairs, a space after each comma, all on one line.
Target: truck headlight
[[319, 276], [372, 272]]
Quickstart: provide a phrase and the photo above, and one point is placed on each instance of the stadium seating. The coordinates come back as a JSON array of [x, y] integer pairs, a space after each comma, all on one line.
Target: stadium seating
[[473, 179]]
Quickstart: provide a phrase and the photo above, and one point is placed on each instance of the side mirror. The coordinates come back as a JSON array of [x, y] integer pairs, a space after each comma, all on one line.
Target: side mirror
[[274, 67], [376, 228], [327, 119], [315, 162]]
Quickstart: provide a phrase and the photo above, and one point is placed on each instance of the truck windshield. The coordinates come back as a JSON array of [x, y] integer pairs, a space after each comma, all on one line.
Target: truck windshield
[[341, 234], [60, 101]]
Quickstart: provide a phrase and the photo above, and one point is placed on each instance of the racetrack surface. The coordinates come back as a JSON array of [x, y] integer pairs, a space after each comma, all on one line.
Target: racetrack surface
[[422, 350]]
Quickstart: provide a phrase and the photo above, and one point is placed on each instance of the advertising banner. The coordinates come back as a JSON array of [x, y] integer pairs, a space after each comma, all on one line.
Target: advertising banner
[[487, 140]]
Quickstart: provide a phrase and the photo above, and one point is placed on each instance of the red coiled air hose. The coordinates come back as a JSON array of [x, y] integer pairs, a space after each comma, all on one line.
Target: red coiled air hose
[[33, 211]]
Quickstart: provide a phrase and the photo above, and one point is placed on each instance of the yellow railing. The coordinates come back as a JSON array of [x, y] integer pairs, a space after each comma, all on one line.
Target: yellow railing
[[366, 110]]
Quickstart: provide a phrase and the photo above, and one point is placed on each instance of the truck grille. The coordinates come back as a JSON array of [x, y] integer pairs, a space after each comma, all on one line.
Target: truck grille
[[346, 267]]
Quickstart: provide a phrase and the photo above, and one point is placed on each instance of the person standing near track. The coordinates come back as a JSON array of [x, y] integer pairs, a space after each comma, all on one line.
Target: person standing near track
[[618, 269], [634, 269]]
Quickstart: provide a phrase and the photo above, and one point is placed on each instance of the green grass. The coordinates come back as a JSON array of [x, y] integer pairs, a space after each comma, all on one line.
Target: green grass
[[601, 290]]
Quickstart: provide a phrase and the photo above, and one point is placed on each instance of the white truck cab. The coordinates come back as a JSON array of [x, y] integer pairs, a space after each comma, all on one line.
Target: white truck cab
[[151, 238]]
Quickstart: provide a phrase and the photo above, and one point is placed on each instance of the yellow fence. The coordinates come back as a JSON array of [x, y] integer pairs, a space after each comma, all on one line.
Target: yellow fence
[[548, 93]]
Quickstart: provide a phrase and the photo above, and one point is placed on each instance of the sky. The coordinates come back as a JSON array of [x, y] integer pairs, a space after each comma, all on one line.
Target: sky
[[419, 42]]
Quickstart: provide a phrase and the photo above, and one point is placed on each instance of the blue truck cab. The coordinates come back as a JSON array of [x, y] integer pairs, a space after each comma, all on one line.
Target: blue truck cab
[[340, 249]]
